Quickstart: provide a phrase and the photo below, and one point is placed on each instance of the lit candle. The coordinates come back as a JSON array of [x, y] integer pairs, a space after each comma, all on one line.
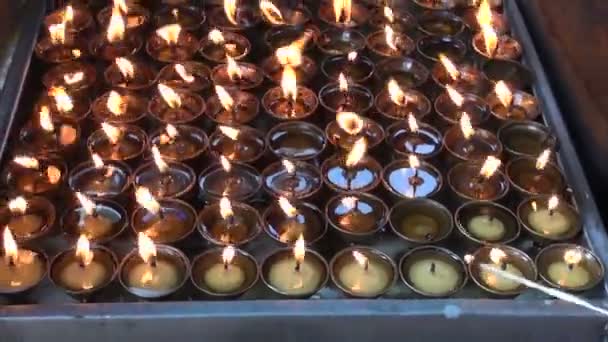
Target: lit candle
[[294, 224], [271, 13], [84, 272], [570, 272], [550, 220], [22, 222], [91, 224], [20, 269], [225, 277], [364, 275], [232, 228], [342, 11], [347, 100], [496, 282], [41, 179], [167, 182], [153, 273], [163, 224]]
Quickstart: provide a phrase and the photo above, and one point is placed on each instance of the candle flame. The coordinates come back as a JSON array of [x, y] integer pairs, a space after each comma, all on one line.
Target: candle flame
[[553, 203], [11, 251], [412, 123], [18, 205], [299, 249], [170, 96], [112, 132], [27, 162], [497, 255], [87, 204], [57, 33], [490, 39], [342, 10], [63, 101], [396, 93], [116, 27], [449, 66], [534, 206], [289, 166], [230, 132], [226, 208], [389, 36], [97, 161], [228, 254], [68, 14], [216, 37], [388, 14], [158, 160], [225, 99], [145, 247], [183, 73], [413, 161], [454, 95], [356, 153], [350, 202], [350, 122], [466, 127], [233, 69], [76, 53], [543, 159], [115, 104], [289, 55], [53, 174], [144, 198], [169, 33], [504, 94], [271, 12], [121, 5], [45, 119], [172, 131], [360, 258], [573, 256], [287, 207], [83, 250], [230, 10], [342, 82], [72, 78], [289, 83], [126, 68], [484, 13], [490, 166], [226, 165], [352, 56]]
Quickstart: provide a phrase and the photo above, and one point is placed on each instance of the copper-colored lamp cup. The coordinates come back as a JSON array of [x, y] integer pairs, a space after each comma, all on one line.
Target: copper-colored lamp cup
[[477, 147], [252, 78], [85, 178], [190, 18], [403, 21], [135, 108], [136, 18], [524, 107], [63, 140], [305, 72], [278, 106], [245, 109], [498, 21], [440, 24], [305, 181], [176, 182], [283, 229], [22, 180], [179, 220], [365, 176], [417, 104], [130, 45], [245, 184], [359, 71], [40, 261], [61, 76], [240, 47], [280, 36], [358, 17], [376, 43], [190, 143], [80, 111], [528, 180], [466, 183], [400, 184], [469, 80], [184, 49], [555, 253], [115, 213], [430, 47], [408, 72], [356, 216], [358, 99], [249, 146], [201, 73], [37, 206], [526, 139], [425, 143], [335, 41], [449, 113], [74, 48], [246, 17], [421, 221], [129, 148], [540, 234], [371, 131], [470, 210], [82, 20], [245, 220], [507, 48], [514, 74], [191, 109], [144, 76], [292, 16], [296, 140]]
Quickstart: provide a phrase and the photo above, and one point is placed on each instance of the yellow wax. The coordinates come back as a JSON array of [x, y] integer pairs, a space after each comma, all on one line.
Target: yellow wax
[[443, 279], [164, 229], [499, 283], [549, 224], [283, 276], [561, 274], [95, 227], [360, 281], [25, 225], [26, 271], [419, 227], [164, 276], [224, 280], [78, 278], [486, 228]]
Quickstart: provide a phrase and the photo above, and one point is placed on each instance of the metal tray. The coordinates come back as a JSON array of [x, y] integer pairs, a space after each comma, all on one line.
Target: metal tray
[[329, 314]]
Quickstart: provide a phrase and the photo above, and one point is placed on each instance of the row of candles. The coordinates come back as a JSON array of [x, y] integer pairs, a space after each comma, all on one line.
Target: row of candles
[[157, 270]]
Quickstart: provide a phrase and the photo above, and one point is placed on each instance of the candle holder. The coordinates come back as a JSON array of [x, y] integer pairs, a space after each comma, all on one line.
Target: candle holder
[[498, 21], [363, 272], [277, 37], [216, 278], [356, 98], [110, 180], [425, 142], [26, 271], [382, 45], [176, 181], [231, 43], [440, 24], [80, 19], [303, 219], [356, 15], [415, 103], [244, 17], [421, 221], [172, 224], [528, 180], [170, 263], [402, 20], [450, 112], [240, 182], [64, 106], [296, 140], [190, 107], [190, 18], [45, 177], [282, 108], [134, 75], [476, 147], [70, 48], [433, 272], [242, 223], [284, 275], [356, 216], [403, 180], [29, 222], [250, 76], [168, 49], [468, 78], [304, 181], [522, 107], [188, 76], [468, 184], [408, 72], [507, 48], [63, 137], [187, 145], [487, 223], [511, 260], [305, 71], [76, 77], [244, 108], [514, 74], [68, 272], [359, 70], [335, 41], [244, 144], [128, 146], [526, 139], [431, 47], [364, 176], [344, 140], [136, 17], [559, 224], [436, 5], [119, 107], [569, 267], [107, 221], [292, 16], [101, 48]]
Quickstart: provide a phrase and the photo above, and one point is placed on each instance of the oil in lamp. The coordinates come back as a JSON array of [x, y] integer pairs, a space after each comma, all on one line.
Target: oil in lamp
[[229, 223], [290, 55], [292, 179], [99, 220], [513, 73], [412, 178], [120, 107], [488, 44], [174, 106], [130, 74], [479, 181], [526, 139], [40, 175], [114, 42], [363, 272], [356, 216], [135, 15], [548, 219], [188, 76], [125, 143], [465, 143], [97, 178], [171, 43], [21, 269], [290, 101], [232, 106], [75, 18], [64, 106], [487, 223], [451, 104], [343, 13], [60, 46], [180, 143], [535, 177], [335, 41], [216, 45], [224, 272], [433, 272], [569, 267], [409, 73], [349, 127], [399, 19], [297, 16], [83, 270], [286, 222], [389, 43], [29, 218], [430, 47], [237, 75], [234, 16], [421, 221], [153, 271], [165, 179], [76, 77], [396, 104], [236, 181], [241, 144], [474, 16], [345, 97], [410, 137], [440, 24], [355, 172], [507, 105], [50, 135], [296, 140], [190, 18], [163, 221], [357, 68], [464, 77], [296, 272]]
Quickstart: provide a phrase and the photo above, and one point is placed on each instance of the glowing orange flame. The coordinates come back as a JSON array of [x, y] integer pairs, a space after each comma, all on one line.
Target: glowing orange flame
[[172, 131], [289, 166], [57, 33], [412, 123], [126, 68], [287, 207], [226, 208], [116, 27], [396, 94], [490, 39], [230, 10], [543, 159], [225, 99], [73, 78], [115, 104], [145, 247], [83, 250], [112, 132], [228, 254], [413, 161], [350, 122], [144, 198], [271, 12], [504, 94], [233, 69], [449, 66], [289, 83], [342, 10], [356, 153], [573, 256], [63, 101], [170, 96], [87, 204], [27, 162], [553, 203], [226, 165], [299, 249], [216, 37], [183, 73], [53, 174], [289, 55], [230, 132], [169, 33], [389, 37], [388, 14], [68, 14], [484, 14], [466, 127], [534, 206], [350, 202], [18, 205], [76, 53], [97, 161], [360, 258], [45, 119], [158, 160], [343, 83], [455, 96], [121, 5], [352, 56], [497, 255], [490, 166], [11, 251]]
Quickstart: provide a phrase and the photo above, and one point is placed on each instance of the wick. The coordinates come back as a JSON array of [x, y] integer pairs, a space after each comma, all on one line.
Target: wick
[[225, 265], [161, 215], [350, 175], [153, 261], [551, 212], [366, 265], [298, 265], [432, 268], [491, 218], [11, 261], [503, 266]]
